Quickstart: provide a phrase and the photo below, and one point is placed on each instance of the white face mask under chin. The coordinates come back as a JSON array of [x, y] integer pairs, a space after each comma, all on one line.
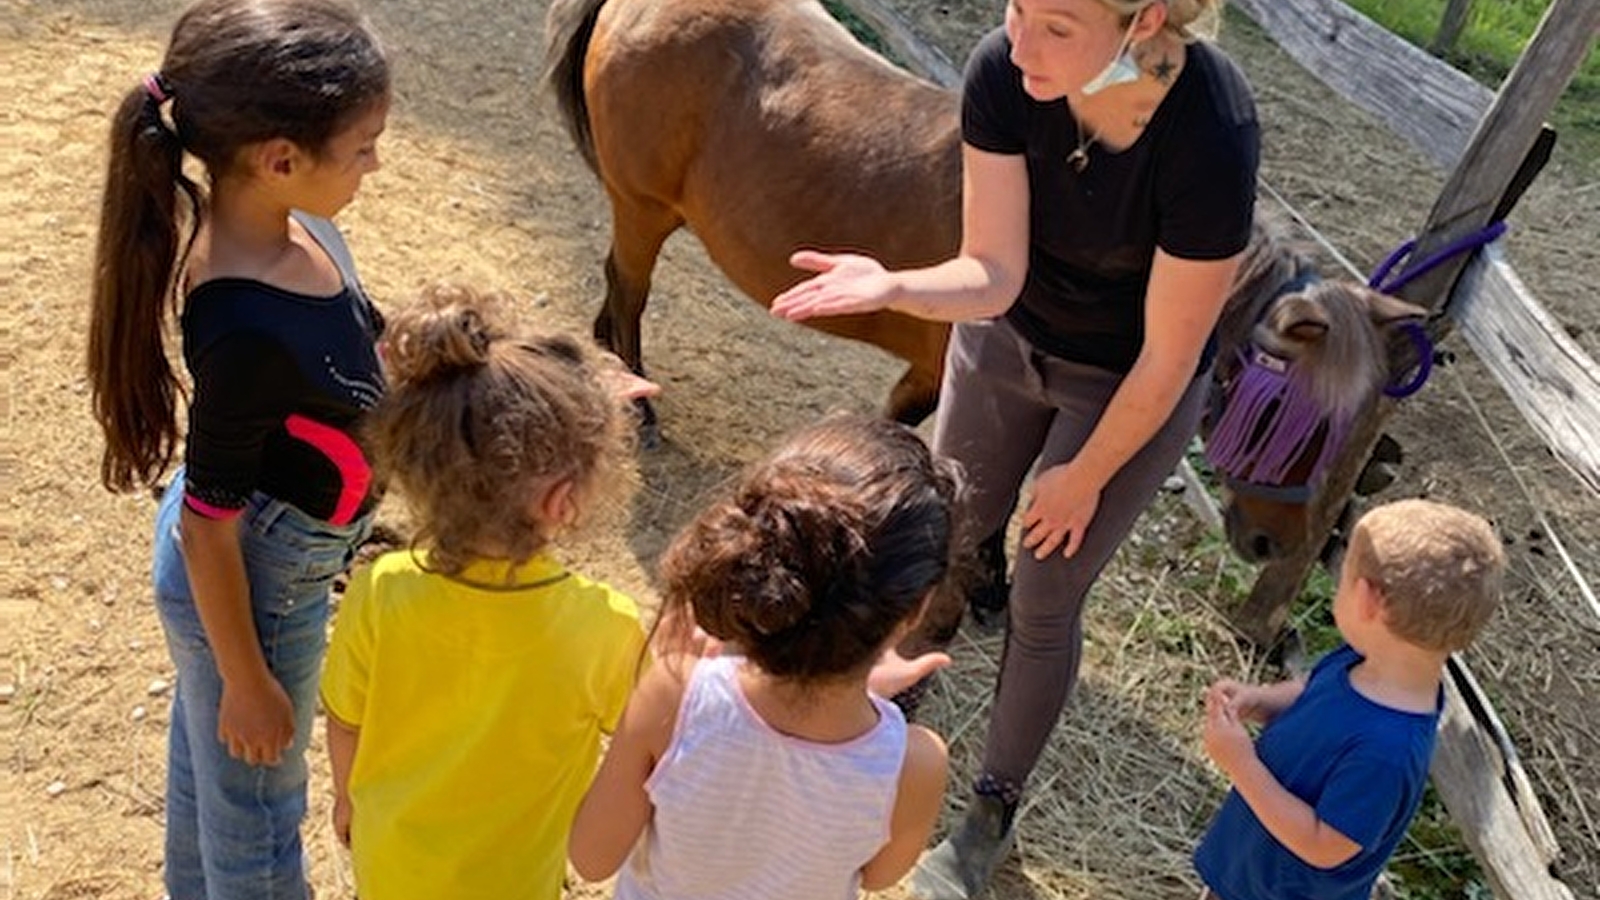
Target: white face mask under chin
[[1121, 70]]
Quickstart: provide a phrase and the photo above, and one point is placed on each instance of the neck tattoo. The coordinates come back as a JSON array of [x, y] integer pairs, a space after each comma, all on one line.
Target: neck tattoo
[[1078, 159], [1162, 71]]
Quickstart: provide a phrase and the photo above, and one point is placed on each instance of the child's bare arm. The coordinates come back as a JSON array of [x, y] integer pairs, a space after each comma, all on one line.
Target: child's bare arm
[[617, 808], [893, 673], [916, 809], [256, 718], [1290, 820], [342, 742]]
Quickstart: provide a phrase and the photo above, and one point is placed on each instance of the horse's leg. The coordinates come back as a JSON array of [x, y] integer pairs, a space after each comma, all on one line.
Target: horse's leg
[[990, 592], [914, 397], [638, 229]]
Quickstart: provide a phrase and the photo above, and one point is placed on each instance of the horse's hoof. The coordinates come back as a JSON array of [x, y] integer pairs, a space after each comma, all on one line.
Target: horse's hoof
[[1288, 653], [649, 436], [910, 699], [989, 619], [649, 433], [988, 602]]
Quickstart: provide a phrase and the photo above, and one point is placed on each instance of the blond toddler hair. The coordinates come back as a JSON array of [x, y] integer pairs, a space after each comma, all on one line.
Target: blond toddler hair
[[1439, 569]]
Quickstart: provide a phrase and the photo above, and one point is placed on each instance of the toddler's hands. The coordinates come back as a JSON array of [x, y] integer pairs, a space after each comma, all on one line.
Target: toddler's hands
[[255, 720], [1225, 738], [1246, 700]]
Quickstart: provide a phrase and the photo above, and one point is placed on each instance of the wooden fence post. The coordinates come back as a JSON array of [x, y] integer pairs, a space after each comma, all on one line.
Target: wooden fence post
[[1504, 137], [1451, 25]]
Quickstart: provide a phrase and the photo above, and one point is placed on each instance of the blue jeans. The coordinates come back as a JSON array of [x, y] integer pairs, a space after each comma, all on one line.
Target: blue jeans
[[233, 829]]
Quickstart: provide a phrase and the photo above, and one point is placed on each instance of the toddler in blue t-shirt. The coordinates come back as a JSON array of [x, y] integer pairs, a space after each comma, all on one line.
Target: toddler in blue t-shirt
[[1322, 798]]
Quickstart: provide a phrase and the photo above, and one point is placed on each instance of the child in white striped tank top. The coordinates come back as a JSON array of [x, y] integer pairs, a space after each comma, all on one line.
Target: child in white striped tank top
[[771, 771]]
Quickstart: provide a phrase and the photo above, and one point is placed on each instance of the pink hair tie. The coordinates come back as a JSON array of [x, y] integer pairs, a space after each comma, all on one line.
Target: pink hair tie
[[157, 88]]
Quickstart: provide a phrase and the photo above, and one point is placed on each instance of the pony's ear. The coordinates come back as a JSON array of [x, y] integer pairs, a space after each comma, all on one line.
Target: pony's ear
[[1299, 319], [1385, 310], [1308, 331]]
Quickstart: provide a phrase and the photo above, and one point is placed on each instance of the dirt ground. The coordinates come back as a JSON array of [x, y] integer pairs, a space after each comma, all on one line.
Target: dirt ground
[[481, 184]]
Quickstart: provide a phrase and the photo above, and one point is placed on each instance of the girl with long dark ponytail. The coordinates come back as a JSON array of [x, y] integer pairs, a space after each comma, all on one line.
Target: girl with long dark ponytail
[[280, 102]]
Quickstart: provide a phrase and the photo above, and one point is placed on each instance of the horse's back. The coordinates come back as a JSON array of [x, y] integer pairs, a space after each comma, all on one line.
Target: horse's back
[[766, 128]]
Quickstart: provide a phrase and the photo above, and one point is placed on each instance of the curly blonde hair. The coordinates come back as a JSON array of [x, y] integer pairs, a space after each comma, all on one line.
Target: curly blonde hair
[[1439, 568], [478, 423]]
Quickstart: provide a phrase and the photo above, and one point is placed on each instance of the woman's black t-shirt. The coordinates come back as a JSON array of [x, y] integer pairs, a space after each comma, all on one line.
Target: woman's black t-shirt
[[1187, 186]]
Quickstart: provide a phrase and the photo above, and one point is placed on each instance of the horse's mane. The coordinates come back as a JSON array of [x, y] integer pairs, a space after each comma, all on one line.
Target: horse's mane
[[1272, 259]]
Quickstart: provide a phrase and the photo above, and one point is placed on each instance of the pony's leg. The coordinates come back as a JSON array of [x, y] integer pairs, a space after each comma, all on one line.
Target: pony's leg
[[638, 228], [988, 596], [914, 397]]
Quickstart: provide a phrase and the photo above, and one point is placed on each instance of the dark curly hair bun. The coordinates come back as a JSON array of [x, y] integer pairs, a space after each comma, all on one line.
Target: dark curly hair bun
[[822, 549]]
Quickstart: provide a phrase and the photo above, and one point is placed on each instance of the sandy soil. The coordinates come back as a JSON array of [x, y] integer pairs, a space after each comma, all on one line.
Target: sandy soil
[[481, 184]]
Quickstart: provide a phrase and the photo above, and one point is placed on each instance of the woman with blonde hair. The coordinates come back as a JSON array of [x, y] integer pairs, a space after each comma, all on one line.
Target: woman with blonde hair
[[1110, 161]]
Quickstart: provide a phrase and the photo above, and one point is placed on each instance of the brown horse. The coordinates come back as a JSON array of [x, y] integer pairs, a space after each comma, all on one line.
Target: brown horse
[[764, 127], [1289, 339]]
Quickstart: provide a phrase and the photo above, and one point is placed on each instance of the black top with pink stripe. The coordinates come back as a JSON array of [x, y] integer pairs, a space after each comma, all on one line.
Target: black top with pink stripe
[[280, 380]]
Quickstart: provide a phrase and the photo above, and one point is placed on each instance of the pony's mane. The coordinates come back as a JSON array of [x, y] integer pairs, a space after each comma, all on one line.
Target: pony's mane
[[1272, 259]]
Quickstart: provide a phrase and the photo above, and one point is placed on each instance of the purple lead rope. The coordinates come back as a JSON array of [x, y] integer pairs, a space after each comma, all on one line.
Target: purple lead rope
[[1482, 237], [1380, 281]]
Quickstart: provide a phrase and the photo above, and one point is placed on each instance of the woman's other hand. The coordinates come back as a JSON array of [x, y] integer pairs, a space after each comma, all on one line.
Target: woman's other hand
[[1062, 507]]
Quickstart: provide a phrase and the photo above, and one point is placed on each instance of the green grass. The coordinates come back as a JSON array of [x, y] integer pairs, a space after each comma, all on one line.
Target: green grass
[[1433, 862], [1494, 37]]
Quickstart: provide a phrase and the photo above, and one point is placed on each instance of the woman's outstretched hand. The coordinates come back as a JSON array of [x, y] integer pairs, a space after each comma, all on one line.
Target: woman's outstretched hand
[[845, 283]]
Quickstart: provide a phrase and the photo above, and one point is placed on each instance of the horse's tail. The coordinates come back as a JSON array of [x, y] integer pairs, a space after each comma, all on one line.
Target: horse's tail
[[568, 26]]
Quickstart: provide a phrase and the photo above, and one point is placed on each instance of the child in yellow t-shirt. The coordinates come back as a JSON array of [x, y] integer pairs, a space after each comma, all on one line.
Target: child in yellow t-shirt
[[469, 678]]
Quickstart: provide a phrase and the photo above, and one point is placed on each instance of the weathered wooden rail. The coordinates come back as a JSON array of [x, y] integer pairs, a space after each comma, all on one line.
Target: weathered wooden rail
[[1485, 137]]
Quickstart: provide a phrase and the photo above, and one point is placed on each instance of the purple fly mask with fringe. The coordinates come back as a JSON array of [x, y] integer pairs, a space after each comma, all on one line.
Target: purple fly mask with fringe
[[1269, 422]]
